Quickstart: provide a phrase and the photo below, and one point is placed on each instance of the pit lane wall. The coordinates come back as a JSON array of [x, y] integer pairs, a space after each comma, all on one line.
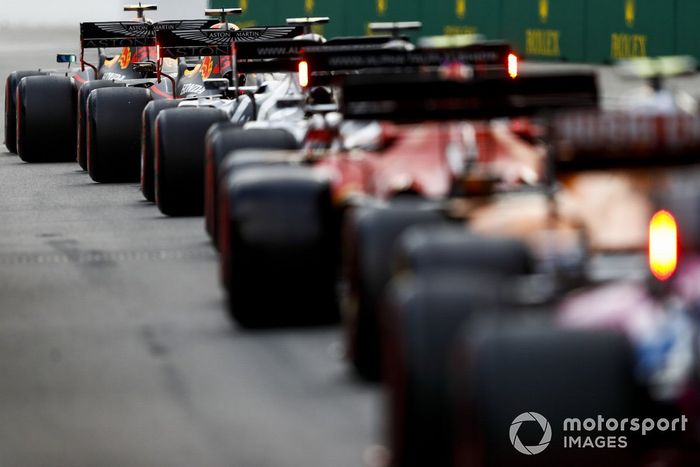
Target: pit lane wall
[[599, 31]]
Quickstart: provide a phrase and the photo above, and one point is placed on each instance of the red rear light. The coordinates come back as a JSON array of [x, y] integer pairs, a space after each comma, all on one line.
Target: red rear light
[[157, 53], [513, 65], [663, 245], [303, 73]]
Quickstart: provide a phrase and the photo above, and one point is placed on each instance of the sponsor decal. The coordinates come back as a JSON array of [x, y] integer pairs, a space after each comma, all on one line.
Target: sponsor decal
[[192, 88], [127, 29], [125, 58], [417, 59], [207, 67], [113, 76], [628, 45], [542, 42]]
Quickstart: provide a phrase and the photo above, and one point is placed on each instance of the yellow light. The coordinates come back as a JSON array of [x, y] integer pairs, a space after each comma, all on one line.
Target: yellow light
[[303, 73], [663, 245], [513, 66]]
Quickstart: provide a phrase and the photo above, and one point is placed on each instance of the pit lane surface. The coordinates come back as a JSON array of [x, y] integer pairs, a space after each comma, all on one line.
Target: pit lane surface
[[115, 347]]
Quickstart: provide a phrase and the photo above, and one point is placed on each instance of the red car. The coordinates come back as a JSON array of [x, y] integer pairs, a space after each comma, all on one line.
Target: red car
[[41, 115], [280, 229]]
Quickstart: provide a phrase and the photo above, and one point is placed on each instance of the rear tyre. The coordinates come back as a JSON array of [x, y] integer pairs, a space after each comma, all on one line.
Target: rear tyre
[[180, 159], [11, 107], [221, 140], [372, 232], [83, 94], [148, 145], [279, 236], [502, 373], [433, 248], [113, 133], [454, 276], [46, 119], [422, 319]]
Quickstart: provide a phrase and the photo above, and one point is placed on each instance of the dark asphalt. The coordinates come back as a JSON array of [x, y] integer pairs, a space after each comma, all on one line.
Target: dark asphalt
[[115, 346]]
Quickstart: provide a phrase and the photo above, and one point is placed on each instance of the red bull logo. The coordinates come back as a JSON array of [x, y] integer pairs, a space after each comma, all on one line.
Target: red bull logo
[[125, 58], [207, 67]]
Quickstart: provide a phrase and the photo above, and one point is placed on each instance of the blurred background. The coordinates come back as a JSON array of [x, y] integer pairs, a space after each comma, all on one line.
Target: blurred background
[[63, 13]]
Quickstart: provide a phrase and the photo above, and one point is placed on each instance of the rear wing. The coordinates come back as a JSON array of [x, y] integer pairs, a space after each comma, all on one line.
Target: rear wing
[[129, 33], [216, 42], [340, 58], [116, 34], [132, 33], [596, 141], [420, 97]]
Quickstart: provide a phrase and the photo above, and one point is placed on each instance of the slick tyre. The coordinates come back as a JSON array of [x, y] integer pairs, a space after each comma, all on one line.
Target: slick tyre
[[222, 140], [148, 145], [454, 276], [83, 94], [279, 235], [113, 133], [420, 324], [509, 370], [432, 248], [371, 234], [180, 159], [11, 85], [240, 160], [46, 119]]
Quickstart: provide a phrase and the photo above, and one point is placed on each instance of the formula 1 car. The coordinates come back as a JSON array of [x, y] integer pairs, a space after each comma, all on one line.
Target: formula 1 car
[[578, 301], [278, 103], [40, 114], [178, 153], [280, 219], [115, 155], [308, 95], [323, 67], [244, 99]]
